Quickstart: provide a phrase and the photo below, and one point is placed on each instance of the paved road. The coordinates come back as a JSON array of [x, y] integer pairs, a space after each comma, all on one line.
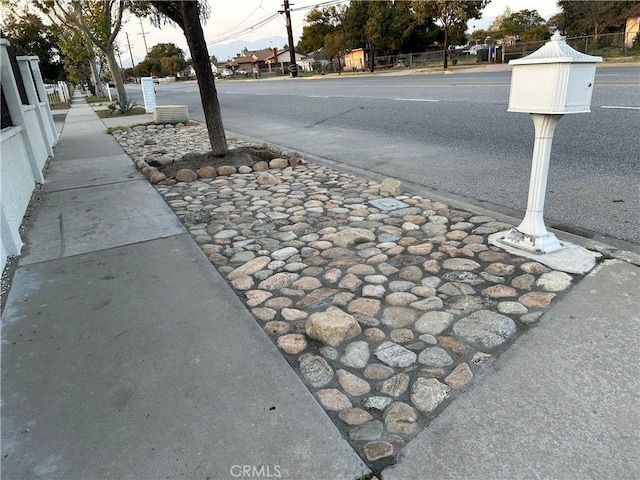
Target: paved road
[[453, 133]]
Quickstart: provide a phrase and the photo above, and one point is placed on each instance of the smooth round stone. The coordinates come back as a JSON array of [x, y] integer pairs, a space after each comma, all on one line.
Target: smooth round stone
[[400, 298], [352, 384], [374, 334], [276, 328], [376, 279], [376, 450], [333, 399], [401, 418], [356, 355], [554, 281], [434, 322], [512, 308], [434, 357], [329, 353], [315, 370], [354, 416], [292, 343], [401, 286], [368, 431], [401, 335]]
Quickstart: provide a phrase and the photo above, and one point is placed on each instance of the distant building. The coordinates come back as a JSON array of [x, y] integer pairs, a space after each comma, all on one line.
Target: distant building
[[315, 61], [632, 26], [356, 59], [248, 60], [281, 59]]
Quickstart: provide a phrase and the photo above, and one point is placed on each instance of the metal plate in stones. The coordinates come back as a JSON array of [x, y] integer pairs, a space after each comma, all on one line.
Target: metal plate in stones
[[387, 204]]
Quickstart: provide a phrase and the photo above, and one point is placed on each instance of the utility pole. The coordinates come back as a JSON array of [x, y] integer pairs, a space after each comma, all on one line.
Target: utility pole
[[143, 37], [129, 44], [293, 67]]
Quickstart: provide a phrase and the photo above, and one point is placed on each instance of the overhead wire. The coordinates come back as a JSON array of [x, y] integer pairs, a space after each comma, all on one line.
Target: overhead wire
[[232, 33]]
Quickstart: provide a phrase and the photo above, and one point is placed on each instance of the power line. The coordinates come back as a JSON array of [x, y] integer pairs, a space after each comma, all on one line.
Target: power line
[[255, 26], [231, 33]]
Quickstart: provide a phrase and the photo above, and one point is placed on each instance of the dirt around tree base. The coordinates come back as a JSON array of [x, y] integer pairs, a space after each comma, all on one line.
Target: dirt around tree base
[[243, 156]]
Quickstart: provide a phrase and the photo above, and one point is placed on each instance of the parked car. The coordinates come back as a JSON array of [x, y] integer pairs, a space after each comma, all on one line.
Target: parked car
[[226, 73], [242, 71], [155, 79]]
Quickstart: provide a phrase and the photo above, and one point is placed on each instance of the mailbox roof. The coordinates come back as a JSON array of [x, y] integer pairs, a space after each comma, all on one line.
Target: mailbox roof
[[556, 51]]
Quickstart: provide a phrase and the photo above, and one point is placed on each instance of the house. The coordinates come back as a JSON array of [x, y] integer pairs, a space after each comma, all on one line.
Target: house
[[279, 60], [356, 59], [248, 60], [314, 61], [632, 26]]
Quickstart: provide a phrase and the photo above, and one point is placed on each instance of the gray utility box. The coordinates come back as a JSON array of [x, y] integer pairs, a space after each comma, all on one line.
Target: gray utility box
[[555, 79]]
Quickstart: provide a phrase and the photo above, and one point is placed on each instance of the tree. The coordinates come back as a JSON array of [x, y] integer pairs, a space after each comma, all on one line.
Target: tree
[[355, 17], [78, 55], [594, 18], [163, 59], [27, 31], [99, 20], [187, 15], [319, 24], [528, 25], [453, 15], [384, 28]]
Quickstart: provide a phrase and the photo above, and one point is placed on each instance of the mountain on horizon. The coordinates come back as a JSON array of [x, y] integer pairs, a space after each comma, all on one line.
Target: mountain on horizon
[[227, 51]]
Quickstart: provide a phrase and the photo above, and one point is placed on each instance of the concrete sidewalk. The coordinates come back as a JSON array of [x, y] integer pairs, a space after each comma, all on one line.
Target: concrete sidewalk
[[125, 354], [562, 402]]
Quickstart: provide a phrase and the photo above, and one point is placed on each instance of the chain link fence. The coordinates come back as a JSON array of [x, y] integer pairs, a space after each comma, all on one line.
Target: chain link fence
[[609, 45]]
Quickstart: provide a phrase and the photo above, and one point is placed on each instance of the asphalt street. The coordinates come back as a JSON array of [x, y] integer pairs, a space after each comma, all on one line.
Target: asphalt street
[[452, 133]]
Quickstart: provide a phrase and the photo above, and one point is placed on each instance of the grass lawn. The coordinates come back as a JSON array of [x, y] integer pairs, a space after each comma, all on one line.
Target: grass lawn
[[97, 99], [110, 114]]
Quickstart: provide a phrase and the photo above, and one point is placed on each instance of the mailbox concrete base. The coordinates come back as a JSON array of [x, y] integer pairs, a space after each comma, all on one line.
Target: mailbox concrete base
[[570, 258], [546, 243]]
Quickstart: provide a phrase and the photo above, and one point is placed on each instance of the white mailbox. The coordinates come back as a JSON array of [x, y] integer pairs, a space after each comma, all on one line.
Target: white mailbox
[[555, 79], [552, 81]]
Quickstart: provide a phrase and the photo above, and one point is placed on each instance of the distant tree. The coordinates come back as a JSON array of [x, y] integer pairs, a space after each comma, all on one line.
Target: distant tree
[[188, 14], [384, 27], [28, 32], [452, 15], [355, 17], [528, 25], [99, 20], [480, 35], [594, 18], [319, 24], [519, 22], [78, 56], [163, 59]]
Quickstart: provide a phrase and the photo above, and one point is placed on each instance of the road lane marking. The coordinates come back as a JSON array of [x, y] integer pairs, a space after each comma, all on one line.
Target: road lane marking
[[620, 108], [414, 100]]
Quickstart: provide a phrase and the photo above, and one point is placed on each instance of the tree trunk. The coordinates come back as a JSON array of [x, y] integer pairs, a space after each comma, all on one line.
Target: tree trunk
[[206, 83], [115, 74], [97, 84], [446, 49]]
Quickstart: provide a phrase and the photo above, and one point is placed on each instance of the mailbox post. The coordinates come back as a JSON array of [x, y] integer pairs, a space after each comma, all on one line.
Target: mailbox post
[[553, 81]]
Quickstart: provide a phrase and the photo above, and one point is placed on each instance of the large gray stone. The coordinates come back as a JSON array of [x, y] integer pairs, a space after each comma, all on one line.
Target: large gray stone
[[352, 236], [428, 393], [394, 355], [485, 328], [315, 370]]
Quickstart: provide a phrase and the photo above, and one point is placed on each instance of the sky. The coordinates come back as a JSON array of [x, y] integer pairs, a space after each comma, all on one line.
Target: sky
[[230, 22]]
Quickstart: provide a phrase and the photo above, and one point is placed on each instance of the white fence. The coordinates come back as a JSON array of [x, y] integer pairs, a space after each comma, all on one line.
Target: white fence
[[27, 138]]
